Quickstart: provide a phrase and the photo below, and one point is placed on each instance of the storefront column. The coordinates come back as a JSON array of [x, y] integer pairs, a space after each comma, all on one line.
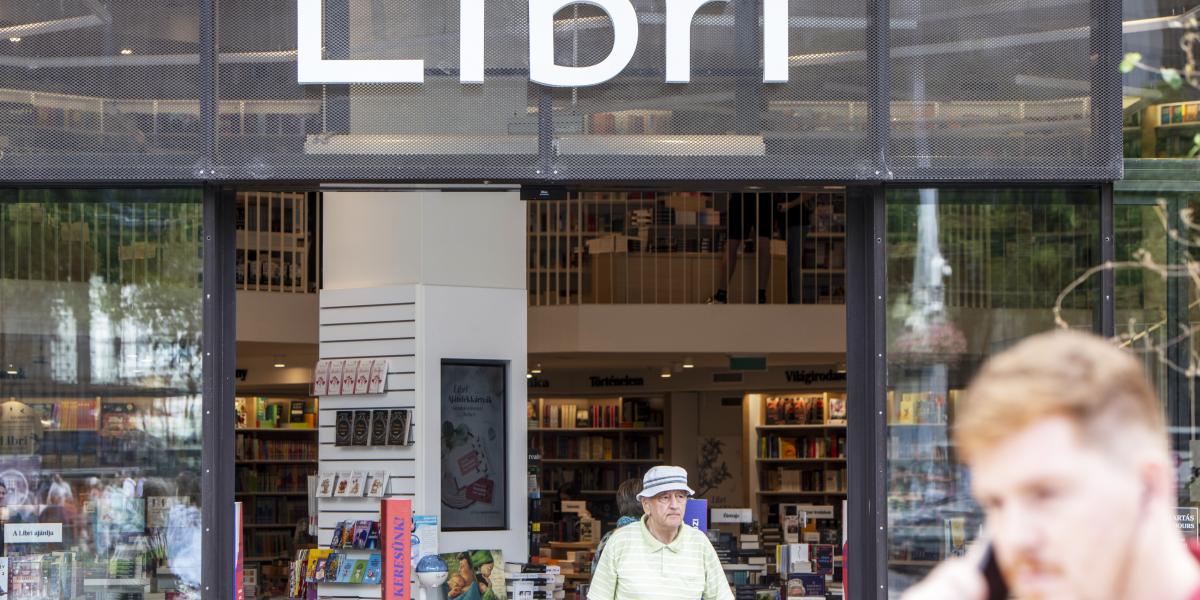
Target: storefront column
[[444, 275], [866, 455]]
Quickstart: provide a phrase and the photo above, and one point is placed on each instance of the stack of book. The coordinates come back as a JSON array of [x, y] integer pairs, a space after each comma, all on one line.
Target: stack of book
[[250, 583], [529, 581], [806, 568]]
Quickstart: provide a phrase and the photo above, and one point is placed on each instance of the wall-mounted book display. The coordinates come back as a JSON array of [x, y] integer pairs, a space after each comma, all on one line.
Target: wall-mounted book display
[[352, 484], [379, 427], [350, 377]]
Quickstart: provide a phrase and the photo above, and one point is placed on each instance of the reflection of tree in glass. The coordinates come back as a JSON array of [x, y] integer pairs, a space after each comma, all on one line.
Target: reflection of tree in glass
[[138, 252]]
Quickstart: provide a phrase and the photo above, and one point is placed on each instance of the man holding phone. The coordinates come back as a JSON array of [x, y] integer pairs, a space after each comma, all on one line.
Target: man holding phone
[[1069, 458]]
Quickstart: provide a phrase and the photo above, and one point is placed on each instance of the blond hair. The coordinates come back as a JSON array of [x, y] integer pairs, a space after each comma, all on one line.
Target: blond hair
[[1084, 378]]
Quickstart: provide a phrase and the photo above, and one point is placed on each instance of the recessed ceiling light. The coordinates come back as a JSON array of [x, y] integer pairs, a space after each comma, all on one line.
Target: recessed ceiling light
[[666, 373], [280, 365], [126, 51], [14, 39], [536, 370], [529, 376], [688, 363], [12, 372]]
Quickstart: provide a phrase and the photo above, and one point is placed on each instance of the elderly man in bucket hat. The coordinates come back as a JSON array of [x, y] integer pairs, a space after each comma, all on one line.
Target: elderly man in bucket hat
[[658, 558]]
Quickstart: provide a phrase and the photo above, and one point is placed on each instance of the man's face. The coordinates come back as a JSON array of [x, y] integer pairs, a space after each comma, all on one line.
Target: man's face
[[666, 509], [1060, 513]]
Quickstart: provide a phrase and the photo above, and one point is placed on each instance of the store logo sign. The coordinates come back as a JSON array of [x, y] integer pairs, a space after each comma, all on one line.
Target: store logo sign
[[313, 67]]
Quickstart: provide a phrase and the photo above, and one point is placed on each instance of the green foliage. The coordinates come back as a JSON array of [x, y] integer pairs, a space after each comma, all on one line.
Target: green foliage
[[1171, 77], [1130, 62]]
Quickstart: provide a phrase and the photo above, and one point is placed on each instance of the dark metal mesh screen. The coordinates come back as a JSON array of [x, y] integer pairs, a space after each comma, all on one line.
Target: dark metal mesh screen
[[439, 129], [1011, 87], [96, 90], [978, 90], [726, 122]]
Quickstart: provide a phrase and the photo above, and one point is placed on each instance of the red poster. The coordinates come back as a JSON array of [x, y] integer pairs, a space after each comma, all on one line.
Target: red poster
[[239, 583], [396, 514]]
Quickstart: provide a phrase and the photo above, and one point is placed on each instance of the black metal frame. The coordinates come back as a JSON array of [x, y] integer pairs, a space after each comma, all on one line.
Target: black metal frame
[[866, 298], [219, 343], [1106, 317]]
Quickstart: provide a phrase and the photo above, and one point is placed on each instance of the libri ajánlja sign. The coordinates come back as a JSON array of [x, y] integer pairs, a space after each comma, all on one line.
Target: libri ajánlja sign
[[313, 67]]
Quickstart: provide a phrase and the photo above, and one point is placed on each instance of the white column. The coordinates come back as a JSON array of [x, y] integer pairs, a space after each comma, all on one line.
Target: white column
[[463, 254]]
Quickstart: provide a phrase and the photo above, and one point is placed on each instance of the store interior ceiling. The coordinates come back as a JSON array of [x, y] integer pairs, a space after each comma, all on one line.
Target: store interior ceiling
[[263, 375], [625, 360]]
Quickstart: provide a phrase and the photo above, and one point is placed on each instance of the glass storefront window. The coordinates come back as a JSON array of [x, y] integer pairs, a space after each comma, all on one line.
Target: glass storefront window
[[100, 392], [970, 272], [1160, 106], [1157, 317]]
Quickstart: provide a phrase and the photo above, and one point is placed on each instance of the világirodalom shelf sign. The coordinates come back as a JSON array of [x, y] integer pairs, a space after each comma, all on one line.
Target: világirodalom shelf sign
[[350, 377]]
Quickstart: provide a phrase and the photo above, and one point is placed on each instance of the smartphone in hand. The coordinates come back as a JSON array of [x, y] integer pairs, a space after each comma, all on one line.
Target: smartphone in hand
[[997, 588]]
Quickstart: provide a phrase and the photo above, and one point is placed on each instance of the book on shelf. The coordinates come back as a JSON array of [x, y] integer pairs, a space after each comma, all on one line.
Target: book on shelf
[[795, 409], [359, 570], [251, 447], [262, 412], [919, 408], [345, 568], [373, 573], [360, 432]]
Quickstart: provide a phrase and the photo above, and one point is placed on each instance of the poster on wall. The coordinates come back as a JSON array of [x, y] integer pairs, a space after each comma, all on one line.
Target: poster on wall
[[474, 575], [474, 445]]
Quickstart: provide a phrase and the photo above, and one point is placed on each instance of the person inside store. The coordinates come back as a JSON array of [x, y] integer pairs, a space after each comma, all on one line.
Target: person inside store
[[750, 217], [631, 511], [659, 557], [1069, 459]]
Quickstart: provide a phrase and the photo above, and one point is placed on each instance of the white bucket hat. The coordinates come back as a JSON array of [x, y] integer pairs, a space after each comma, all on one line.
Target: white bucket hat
[[664, 479]]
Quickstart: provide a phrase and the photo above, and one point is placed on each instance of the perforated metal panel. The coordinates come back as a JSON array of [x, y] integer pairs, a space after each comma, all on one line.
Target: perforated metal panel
[[99, 91], [970, 90], [439, 129], [1011, 88]]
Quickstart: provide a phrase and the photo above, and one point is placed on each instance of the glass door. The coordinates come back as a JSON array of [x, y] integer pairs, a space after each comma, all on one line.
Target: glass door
[[970, 272]]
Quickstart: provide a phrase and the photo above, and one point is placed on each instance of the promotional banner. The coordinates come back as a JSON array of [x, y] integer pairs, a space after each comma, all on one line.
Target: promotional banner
[[396, 528], [695, 514], [474, 475]]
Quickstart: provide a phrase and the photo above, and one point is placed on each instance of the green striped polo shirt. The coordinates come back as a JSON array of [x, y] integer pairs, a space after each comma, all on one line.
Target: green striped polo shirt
[[636, 566]]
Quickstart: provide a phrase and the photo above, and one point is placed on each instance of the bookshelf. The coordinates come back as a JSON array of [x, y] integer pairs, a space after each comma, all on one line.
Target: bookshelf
[[583, 448], [921, 466], [797, 442], [800, 445], [275, 451]]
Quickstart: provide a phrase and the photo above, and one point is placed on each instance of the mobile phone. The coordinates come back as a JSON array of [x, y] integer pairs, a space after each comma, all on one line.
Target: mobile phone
[[997, 588]]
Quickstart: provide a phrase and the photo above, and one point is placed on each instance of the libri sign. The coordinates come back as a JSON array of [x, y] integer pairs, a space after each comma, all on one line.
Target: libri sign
[[313, 67]]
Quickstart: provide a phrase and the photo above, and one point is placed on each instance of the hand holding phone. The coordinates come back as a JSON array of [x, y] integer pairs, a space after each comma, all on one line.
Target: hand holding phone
[[960, 578], [997, 589]]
